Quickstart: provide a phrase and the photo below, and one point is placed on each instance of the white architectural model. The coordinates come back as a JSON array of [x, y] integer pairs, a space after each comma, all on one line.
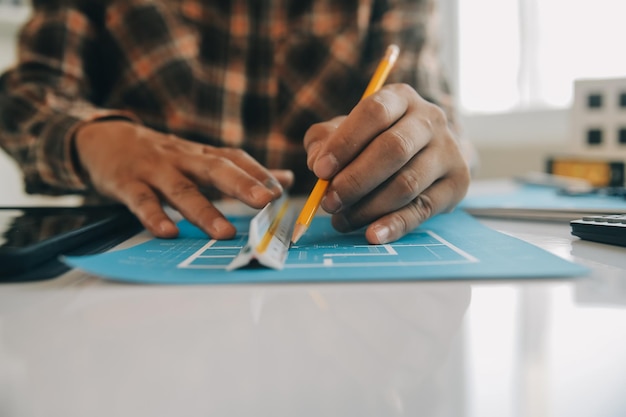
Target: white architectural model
[[598, 119]]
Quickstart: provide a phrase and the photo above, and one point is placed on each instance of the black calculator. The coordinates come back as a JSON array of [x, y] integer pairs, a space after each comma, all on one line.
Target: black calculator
[[609, 228]]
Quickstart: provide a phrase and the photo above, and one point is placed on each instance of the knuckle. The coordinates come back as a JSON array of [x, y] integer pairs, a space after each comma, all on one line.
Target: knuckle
[[401, 224], [343, 141], [407, 183], [144, 199], [437, 116], [169, 146], [315, 132], [219, 162], [377, 107], [422, 207], [208, 149], [419, 210], [182, 187], [240, 153], [396, 143], [235, 153], [460, 184], [464, 178], [406, 89], [432, 118], [353, 182], [203, 210]]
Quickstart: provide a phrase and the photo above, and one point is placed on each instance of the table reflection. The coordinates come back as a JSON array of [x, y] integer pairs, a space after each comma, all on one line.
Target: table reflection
[[237, 350]]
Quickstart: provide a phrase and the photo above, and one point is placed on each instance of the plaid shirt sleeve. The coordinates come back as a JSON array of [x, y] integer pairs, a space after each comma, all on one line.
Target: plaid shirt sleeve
[[287, 69], [46, 97]]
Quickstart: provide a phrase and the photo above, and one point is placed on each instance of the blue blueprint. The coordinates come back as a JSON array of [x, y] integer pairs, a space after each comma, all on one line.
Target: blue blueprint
[[448, 246], [536, 197]]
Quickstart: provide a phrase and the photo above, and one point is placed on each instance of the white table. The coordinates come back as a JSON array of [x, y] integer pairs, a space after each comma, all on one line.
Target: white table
[[81, 346]]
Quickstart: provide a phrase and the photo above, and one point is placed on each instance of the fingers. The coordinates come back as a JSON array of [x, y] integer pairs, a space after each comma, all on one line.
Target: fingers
[[367, 120], [381, 160], [231, 171], [317, 135], [143, 168], [142, 201], [442, 196], [437, 180], [251, 167], [184, 196], [235, 175], [400, 168], [403, 187], [284, 177]]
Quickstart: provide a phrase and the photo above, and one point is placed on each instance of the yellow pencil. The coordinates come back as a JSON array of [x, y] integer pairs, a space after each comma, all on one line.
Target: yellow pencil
[[315, 198]]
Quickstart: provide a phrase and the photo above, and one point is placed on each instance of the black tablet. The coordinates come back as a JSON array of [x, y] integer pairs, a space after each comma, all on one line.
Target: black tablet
[[32, 236]]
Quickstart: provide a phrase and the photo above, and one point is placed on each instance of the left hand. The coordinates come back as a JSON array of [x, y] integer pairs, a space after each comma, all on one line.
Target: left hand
[[393, 163]]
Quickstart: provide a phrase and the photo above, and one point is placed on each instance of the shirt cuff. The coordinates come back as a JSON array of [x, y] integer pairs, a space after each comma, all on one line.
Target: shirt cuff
[[56, 164]]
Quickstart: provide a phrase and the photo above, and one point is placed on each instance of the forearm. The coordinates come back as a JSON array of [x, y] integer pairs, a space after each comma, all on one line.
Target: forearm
[[37, 128], [46, 97]]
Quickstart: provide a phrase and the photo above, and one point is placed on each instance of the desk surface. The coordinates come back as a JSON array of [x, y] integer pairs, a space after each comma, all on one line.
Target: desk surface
[[81, 346]]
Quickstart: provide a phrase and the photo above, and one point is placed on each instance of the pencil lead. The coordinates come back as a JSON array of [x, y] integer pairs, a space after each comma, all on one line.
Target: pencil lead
[[298, 231]]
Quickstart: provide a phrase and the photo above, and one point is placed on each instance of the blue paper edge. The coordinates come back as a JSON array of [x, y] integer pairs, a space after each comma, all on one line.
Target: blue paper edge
[[553, 267]]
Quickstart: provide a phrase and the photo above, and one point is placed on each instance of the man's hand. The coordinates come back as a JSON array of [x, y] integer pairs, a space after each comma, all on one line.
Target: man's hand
[[393, 163], [143, 168]]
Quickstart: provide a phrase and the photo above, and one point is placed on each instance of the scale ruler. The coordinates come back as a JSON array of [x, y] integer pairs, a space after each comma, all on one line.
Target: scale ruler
[[269, 236]]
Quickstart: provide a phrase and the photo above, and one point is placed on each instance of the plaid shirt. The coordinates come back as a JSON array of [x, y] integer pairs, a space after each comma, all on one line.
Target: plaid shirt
[[249, 74]]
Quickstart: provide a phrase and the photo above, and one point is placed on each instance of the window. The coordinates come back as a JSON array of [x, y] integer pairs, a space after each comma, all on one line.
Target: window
[[521, 57], [522, 54]]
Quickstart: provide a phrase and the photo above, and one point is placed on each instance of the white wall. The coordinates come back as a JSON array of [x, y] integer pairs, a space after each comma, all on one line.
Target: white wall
[[508, 143]]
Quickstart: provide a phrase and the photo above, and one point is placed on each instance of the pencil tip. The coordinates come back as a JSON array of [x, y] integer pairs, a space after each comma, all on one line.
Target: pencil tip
[[298, 231]]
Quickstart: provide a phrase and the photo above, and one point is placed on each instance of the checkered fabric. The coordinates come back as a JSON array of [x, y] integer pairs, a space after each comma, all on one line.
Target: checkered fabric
[[241, 73]]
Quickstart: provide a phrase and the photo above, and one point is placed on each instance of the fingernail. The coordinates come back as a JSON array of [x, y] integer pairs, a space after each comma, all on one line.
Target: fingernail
[[165, 228], [326, 166], [220, 225], [274, 186], [259, 192], [312, 154], [382, 233], [331, 202]]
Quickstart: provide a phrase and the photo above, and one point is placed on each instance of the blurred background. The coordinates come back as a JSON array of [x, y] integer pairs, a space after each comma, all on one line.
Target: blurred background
[[512, 64]]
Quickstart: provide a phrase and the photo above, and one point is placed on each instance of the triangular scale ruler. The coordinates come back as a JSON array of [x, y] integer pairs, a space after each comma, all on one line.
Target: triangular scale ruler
[[269, 236]]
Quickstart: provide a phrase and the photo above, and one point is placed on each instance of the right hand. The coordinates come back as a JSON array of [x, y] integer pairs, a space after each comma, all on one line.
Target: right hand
[[142, 168]]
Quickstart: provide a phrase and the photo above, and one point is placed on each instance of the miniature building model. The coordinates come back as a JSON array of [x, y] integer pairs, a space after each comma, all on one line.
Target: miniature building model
[[598, 118], [597, 133]]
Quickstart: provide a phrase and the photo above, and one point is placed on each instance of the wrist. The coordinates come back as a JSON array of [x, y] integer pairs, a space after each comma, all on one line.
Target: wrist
[[85, 132]]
